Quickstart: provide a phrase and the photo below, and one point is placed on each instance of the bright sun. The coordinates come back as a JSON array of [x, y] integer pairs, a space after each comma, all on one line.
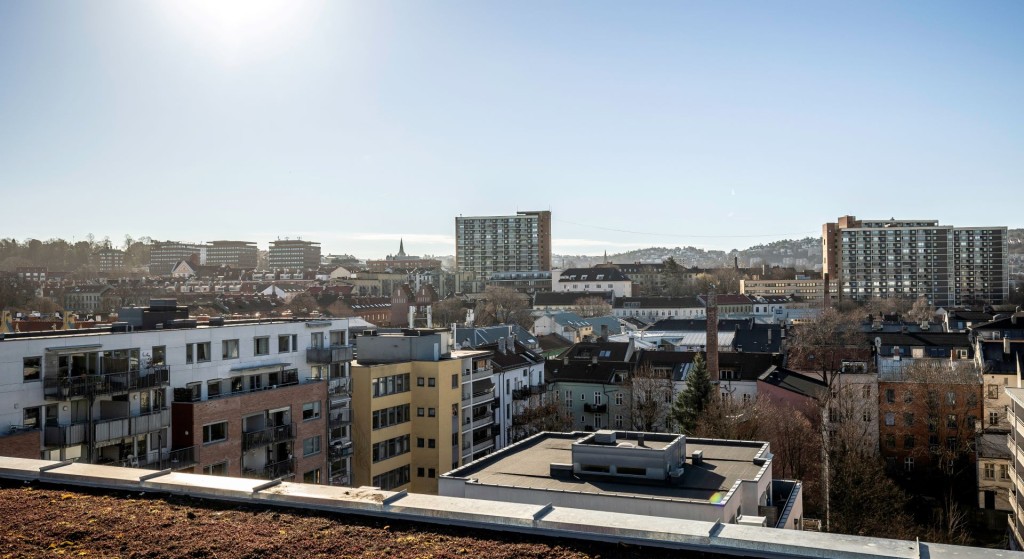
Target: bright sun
[[236, 27]]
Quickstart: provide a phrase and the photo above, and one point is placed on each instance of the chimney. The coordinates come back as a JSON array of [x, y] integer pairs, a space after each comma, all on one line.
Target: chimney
[[712, 335], [1006, 345], [501, 345], [604, 332]]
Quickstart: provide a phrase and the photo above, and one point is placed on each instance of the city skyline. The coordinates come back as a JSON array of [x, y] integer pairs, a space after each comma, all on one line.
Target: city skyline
[[712, 125]]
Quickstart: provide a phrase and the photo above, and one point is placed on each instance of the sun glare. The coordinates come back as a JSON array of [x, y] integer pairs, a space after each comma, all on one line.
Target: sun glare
[[237, 27]]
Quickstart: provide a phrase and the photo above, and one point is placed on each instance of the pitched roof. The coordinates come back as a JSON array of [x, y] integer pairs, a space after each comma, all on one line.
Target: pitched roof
[[658, 303], [793, 382], [592, 274]]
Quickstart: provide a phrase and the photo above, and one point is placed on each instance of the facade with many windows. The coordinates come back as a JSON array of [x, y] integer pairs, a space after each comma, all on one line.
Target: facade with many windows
[[907, 259], [489, 244], [245, 398]]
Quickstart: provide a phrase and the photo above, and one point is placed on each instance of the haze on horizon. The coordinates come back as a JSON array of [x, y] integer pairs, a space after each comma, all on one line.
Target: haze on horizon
[[714, 124]]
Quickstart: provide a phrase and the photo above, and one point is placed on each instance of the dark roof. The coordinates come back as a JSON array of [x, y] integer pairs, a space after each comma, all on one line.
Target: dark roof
[[1014, 321], [658, 303], [552, 342], [996, 360], [793, 382], [566, 297], [520, 356], [591, 274], [920, 339], [697, 324]]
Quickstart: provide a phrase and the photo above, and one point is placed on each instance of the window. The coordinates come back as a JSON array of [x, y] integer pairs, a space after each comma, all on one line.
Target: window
[[310, 410], [190, 351], [908, 463], [30, 418], [618, 398], [890, 418], [890, 396], [420, 412], [951, 398], [993, 418], [431, 443], [1004, 472], [390, 448], [908, 419], [990, 470], [431, 472], [159, 356], [420, 442], [866, 416], [31, 368], [261, 346], [908, 441], [420, 381], [890, 441], [390, 480], [311, 446], [432, 412], [992, 392], [229, 349], [394, 384], [865, 391], [431, 382], [287, 343], [312, 476], [455, 380], [951, 421], [203, 353], [390, 416], [218, 469], [215, 432], [419, 472]]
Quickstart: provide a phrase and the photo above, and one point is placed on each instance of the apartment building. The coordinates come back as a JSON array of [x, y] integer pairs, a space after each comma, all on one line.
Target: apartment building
[[108, 259], [236, 254], [592, 280], [911, 258], [511, 243], [159, 389], [808, 289], [294, 254], [163, 255], [420, 407], [1015, 445]]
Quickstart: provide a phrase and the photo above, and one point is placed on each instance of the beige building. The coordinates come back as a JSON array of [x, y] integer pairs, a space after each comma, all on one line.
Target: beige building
[[809, 289], [420, 409]]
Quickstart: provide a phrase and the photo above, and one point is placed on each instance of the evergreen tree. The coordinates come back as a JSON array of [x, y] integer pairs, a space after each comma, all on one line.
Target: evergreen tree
[[695, 399]]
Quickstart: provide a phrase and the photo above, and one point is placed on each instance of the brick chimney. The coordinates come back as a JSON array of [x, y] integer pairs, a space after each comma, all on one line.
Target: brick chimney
[[712, 347]]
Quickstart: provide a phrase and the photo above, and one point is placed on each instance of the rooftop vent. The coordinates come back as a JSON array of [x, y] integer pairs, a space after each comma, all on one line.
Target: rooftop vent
[[604, 436]]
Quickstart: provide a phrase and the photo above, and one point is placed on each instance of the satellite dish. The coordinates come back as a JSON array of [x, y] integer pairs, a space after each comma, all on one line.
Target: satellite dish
[[878, 341]]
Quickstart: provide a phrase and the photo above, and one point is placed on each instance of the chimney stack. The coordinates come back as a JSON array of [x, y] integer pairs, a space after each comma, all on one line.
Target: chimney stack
[[712, 335]]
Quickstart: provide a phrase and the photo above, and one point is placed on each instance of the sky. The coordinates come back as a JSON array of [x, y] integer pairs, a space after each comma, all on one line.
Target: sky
[[714, 124]]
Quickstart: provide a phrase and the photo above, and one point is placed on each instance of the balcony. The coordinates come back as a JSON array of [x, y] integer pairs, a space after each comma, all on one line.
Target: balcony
[[65, 435], [339, 386], [289, 377], [477, 421], [595, 408], [339, 417], [118, 428], [479, 397], [328, 355], [284, 468], [268, 436], [525, 392], [64, 388], [477, 374], [340, 450]]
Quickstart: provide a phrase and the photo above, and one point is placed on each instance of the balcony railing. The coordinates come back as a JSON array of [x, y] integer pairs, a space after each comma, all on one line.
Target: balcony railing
[[328, 355], [341, 450], [117, 428], [284, 468], [595, 408], [338, 385], [478, 373], [268, 436], [289, 377], [81, 386], [527, 391], [65, 435], [340, 417], [478, 421]]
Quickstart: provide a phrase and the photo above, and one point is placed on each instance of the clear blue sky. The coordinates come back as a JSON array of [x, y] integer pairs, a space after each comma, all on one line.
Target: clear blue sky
[[716, 124]]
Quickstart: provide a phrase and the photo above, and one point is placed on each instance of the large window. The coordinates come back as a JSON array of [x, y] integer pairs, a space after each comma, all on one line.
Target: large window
[[390, 448], [311, 446], [229, 349], [392, 479], [215, 432], [287, 343], [261, 346], [310, 410], [203, 353], [31, 368], [388, 385], [390, 416]]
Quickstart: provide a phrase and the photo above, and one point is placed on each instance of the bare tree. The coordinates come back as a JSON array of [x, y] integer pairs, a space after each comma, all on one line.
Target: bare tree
[[592, 306], [538, 416], [921, 311], [502, 305], [448, 311], [650, 398]]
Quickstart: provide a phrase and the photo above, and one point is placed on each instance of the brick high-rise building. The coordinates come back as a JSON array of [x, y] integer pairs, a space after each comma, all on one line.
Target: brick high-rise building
[[509, 243], [910, 258]]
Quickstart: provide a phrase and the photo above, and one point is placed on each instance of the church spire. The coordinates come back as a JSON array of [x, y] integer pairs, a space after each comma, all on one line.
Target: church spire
[[401, 248]]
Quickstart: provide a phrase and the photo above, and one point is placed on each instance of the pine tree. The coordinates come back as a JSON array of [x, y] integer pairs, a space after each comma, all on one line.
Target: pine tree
[[695, 399]]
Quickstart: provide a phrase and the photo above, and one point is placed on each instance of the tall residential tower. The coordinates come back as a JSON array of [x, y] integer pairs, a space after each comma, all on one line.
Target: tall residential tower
[[505, 243]]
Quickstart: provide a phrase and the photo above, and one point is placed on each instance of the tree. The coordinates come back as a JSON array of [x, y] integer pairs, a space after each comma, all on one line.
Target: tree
[[537, 417], [650, 393], [921, 311], [14, 293], [592, 306], [691, 403], [502, 305], [448, 311]]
